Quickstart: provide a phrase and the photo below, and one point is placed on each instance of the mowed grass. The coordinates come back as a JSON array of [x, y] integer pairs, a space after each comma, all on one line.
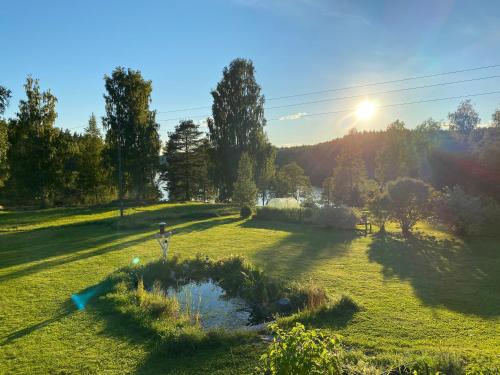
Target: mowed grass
[[433, 294]]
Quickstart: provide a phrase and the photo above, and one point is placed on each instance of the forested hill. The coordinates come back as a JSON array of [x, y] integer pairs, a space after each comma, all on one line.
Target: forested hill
[[440, 157], [318, 160]]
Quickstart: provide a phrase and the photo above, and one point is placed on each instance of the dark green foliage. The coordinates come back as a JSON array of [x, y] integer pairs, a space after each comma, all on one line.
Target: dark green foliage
[[37, 147], [290, 181], [397, 157], [246, 211], [94, 180], [409, 201], [328, 193], [293, 215], [238, 126], [4, 139], [133, 131], [186, 169], [466, 214], [341, 217], [348, 179], [379, 208], [388, 154], [245, 191], [4, 147], [266, 169]]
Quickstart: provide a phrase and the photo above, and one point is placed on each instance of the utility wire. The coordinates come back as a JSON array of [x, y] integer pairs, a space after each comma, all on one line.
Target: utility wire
[[357, 95], [391, 105], [356, 86]]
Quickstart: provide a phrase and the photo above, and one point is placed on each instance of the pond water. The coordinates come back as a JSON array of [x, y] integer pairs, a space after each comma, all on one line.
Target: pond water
[[215, 310]]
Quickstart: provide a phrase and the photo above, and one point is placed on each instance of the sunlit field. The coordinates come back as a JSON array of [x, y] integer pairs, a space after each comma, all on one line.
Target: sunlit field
[[432, 295]]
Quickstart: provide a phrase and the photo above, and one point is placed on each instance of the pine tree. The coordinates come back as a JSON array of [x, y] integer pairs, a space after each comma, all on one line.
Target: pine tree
[[185, 168], [245, 190], [93, 176]]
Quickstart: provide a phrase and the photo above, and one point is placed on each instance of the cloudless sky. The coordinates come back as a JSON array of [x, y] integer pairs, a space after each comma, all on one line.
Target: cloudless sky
[[296, 46]]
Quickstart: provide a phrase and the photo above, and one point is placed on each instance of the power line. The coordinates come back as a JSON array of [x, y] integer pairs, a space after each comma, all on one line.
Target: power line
[[356, 96], [385, 92], [391, 105], [355, 86]]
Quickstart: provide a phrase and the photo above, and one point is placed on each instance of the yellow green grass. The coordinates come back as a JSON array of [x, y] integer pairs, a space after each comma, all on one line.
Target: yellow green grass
[[434, 294]]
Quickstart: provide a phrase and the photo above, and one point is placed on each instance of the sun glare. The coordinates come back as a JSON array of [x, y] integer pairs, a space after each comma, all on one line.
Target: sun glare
[[365, 110]]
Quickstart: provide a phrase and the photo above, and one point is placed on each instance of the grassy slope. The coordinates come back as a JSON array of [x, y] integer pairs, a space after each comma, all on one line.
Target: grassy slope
[[436, 293]]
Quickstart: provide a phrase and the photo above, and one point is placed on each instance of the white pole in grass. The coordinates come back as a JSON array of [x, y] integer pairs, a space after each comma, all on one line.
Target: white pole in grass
[[163, 239]]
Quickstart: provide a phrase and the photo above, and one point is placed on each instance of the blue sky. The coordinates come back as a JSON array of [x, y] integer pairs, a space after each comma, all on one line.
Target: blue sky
[[297, 46]]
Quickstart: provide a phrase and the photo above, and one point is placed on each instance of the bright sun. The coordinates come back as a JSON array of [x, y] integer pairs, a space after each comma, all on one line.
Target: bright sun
[[365, 110]]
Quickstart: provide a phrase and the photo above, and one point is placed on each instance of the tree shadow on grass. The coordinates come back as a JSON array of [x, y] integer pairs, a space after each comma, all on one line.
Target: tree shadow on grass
[[67, 309], [166, 355], [304, 247], [461, 276], [38, 245], [335, 316]]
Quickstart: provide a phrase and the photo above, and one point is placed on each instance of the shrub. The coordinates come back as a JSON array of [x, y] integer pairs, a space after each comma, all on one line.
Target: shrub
[[245, 212], [341, 217], [293, 215], [409, 200], [464, 213], [301, 352]]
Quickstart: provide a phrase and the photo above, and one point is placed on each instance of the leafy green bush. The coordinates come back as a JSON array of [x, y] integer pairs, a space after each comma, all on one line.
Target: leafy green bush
[[340, 217], [293, 215], [464, 213], [301, 352], [245, 211], [327, 216], [409, 202]]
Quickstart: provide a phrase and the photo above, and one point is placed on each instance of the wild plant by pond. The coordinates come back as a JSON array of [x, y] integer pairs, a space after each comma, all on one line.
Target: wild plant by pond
[[265, 295], [147, 294]]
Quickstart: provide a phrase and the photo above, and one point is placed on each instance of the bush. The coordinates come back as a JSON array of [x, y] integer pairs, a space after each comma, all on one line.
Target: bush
[[301, 352], [409, 201], [293, 215], [341, 217], [464, 213], [245, 212]]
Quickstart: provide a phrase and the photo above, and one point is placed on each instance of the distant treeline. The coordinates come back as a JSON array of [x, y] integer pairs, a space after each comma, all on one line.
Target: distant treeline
[[43, 165], [470, 159]]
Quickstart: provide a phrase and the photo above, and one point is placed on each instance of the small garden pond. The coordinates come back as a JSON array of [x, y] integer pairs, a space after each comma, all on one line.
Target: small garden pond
[[214, 309]]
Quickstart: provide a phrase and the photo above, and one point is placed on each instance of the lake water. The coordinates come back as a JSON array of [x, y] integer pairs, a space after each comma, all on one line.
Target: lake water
[[216, 310]]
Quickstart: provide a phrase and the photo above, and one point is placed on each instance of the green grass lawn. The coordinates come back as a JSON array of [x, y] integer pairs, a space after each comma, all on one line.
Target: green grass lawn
[[433, 294]]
